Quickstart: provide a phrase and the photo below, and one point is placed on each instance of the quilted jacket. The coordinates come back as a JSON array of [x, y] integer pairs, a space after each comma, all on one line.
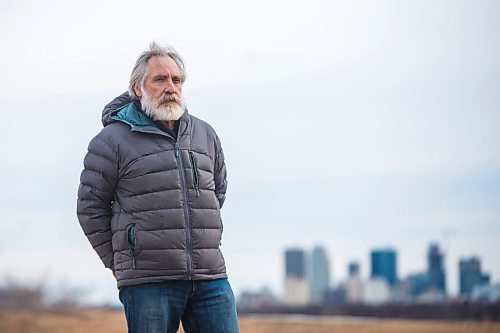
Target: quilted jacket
[[149, 202]]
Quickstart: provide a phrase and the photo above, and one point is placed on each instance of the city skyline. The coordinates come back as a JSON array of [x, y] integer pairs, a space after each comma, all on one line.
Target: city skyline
[[363, 264], [307, 273]]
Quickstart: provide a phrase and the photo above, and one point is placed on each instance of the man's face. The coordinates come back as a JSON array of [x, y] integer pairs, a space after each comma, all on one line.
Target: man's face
[[161, 95]]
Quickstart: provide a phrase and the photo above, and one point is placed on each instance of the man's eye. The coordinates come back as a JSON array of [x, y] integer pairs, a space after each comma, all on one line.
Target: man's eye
[[159, 79], [176, 80]]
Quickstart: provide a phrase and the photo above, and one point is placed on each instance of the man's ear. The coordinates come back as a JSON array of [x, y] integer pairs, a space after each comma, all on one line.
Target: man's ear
[[137, 90]]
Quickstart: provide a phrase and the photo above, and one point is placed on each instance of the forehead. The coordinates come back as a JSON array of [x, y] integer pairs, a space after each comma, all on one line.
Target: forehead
[[164, 66]]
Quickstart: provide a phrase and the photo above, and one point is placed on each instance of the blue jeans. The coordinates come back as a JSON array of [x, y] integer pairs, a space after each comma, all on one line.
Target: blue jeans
[[206, 306]]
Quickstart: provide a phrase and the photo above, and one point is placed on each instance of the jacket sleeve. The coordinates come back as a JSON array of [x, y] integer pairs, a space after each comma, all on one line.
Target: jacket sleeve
[[95, 195], [220, 174]]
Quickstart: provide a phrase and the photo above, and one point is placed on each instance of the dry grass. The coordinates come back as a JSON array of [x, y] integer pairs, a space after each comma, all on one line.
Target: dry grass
[[99, 321]]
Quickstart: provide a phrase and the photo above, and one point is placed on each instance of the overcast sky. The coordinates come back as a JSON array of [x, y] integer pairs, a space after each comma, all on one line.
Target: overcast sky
[[351, 124]]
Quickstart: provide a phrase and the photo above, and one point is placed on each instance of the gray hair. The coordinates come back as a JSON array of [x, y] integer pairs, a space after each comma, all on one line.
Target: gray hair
[[140, 71]]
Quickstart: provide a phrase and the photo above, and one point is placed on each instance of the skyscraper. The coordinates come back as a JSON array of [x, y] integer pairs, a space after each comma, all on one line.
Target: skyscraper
[[296, 283], [353, 284], [471, 276], [384, 265], [320, 274], [435, 269]]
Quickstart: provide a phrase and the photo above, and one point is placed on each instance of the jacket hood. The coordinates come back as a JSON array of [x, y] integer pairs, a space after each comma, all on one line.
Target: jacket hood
[[114, 106]]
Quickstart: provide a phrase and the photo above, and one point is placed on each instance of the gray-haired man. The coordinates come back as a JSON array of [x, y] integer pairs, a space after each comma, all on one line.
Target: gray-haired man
[[149, 202]]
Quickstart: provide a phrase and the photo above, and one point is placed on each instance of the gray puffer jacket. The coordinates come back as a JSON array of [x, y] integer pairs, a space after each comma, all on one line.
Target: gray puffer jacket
[[150, 203]]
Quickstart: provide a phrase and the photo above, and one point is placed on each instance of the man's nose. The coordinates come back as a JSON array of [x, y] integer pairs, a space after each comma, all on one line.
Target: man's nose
[[170, 86]]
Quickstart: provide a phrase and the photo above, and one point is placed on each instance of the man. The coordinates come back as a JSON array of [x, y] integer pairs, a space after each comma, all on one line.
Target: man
[[149, 202]]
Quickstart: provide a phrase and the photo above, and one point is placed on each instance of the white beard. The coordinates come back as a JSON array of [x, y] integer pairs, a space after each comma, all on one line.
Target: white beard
[[165, 108]]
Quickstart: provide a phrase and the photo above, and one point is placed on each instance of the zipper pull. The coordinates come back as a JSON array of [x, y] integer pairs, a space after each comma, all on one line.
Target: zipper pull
[[177, 152]]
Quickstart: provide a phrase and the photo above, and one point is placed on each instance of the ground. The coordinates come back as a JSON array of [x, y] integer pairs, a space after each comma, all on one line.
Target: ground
[[113, 321]]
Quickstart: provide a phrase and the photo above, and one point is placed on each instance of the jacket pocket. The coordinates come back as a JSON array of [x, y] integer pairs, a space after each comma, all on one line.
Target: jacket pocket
[[196, 174], [132, 242]]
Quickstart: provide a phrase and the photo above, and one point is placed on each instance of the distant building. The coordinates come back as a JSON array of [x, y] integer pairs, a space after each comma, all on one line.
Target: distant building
[[384, 265], [418, 284], [376, 291], [428, 286], [353, 284], [261, 299], [485, 292], [296, 283], [337, 295], [320, 275], [435, 269], [471, 276]]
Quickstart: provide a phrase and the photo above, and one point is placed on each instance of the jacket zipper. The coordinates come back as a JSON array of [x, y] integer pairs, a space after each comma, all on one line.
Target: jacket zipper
[[186, 209], [196, 176], [184, 189], [132, 243]]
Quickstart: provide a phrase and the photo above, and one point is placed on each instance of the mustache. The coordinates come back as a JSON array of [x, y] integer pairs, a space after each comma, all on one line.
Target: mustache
[[168, 98]]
